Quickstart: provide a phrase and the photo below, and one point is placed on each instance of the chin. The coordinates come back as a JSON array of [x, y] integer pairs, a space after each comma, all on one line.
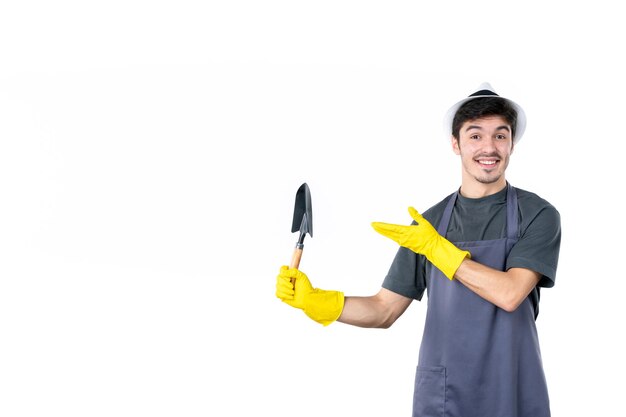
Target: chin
[[488, 180]]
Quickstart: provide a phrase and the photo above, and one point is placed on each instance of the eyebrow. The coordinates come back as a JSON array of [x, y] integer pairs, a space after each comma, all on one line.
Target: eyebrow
[[503, 127]]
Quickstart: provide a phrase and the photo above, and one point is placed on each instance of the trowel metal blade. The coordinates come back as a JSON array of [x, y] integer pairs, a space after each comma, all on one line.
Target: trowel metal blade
[[303, 212]]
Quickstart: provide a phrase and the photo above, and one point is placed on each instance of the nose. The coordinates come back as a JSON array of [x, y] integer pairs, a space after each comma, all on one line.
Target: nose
[[489, 144]]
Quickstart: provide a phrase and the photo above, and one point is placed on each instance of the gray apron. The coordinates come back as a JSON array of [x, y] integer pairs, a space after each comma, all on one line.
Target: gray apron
[[477, 360]]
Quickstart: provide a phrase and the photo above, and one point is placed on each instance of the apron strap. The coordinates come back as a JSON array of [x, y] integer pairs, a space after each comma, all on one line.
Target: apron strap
[[511, 213], [447, 214]]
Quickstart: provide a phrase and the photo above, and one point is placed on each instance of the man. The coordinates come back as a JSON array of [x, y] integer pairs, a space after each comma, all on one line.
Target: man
[[481, 254]]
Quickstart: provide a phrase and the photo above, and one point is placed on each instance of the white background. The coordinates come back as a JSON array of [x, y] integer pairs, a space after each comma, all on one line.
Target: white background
[[150, 153]]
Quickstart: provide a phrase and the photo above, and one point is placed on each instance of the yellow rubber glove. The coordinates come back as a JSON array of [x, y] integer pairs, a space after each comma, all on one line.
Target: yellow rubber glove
[[422, 238], [322, 306]]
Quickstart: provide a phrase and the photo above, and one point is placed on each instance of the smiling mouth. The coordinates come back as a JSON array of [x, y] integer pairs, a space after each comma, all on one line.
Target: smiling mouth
[[488, 163]]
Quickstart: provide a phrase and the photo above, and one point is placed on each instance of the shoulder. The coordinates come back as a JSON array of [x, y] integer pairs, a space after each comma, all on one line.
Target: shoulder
[[535, 209], [531, 199]]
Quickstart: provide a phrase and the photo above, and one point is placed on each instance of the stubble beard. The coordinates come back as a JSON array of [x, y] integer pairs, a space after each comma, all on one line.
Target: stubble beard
[[489, 178]]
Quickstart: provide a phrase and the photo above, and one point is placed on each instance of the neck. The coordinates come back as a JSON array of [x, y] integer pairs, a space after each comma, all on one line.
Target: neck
[[475, 189]]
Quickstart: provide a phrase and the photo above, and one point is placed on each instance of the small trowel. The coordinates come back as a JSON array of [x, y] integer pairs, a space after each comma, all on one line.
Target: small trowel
[[302, 221]]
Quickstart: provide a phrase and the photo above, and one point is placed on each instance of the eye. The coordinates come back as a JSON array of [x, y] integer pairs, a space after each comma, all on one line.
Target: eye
[[475, 137], [501, 136]]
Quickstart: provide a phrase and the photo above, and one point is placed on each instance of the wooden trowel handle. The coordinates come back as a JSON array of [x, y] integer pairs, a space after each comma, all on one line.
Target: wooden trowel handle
[[295, 260]]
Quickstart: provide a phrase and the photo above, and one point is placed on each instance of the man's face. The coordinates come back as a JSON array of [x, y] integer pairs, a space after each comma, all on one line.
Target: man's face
[[485, 146]]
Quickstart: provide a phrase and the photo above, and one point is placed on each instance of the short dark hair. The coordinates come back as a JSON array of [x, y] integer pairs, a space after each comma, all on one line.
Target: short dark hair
[[482, 107]]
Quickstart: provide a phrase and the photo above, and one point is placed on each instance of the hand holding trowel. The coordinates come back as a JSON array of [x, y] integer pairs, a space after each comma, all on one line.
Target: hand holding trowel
[[320, 305]]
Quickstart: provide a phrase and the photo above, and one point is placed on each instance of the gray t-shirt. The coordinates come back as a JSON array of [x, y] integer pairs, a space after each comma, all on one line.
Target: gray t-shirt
[[485, 219]]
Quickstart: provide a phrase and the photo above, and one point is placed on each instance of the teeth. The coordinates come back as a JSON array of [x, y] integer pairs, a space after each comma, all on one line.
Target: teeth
[[487, 162]]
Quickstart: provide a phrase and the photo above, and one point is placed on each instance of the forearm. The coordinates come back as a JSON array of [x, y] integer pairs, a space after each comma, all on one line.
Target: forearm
[[377, 311], [506, 290], [380, 310]]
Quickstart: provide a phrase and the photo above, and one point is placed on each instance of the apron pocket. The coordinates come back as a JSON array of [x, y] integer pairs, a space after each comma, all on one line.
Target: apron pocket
[[429, 397]]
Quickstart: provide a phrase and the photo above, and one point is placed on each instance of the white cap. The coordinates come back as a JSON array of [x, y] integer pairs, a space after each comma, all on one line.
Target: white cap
[[485, 90]]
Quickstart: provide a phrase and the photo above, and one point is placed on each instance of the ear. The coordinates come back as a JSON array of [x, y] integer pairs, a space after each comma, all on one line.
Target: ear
[[455, 145]]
